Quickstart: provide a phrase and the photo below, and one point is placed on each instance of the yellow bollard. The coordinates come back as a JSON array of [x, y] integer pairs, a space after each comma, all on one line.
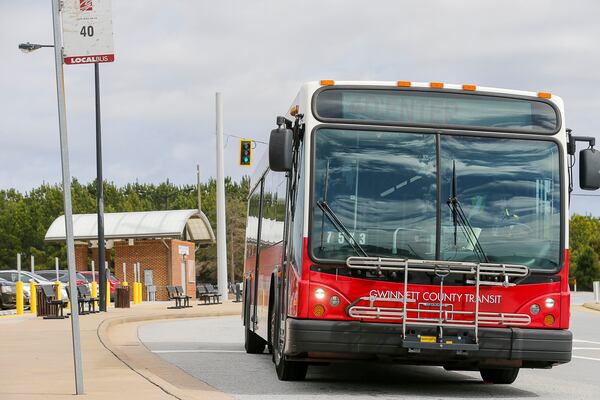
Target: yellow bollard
[[32, 298], [134, 288], [95, 291], [107, 294], [57, 290], [20, 302]]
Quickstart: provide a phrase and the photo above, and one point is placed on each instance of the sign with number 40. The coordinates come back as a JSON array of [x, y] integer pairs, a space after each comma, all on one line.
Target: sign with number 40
[[87, 31]]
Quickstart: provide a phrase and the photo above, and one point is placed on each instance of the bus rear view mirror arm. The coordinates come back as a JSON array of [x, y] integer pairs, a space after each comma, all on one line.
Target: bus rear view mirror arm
[[589, 162], [281, 148]]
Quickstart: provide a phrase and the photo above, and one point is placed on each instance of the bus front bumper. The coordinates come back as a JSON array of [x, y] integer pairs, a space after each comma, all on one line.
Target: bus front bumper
[[528, 348]]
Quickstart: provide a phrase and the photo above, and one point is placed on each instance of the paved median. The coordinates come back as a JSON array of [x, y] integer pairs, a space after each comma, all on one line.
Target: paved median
[[38, 362]]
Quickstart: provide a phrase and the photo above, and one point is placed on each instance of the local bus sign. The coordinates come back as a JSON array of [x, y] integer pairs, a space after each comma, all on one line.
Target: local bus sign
[[87, 31]]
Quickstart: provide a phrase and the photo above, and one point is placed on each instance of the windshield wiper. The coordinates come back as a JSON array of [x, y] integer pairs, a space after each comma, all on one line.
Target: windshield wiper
[[459, 217], [341, 228]]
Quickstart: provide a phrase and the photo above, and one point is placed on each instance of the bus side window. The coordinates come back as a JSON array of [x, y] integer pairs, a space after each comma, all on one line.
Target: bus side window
[[273, 214]]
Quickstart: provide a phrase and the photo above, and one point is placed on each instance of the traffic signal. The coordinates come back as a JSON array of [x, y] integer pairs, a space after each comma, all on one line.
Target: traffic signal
[[245, 152]]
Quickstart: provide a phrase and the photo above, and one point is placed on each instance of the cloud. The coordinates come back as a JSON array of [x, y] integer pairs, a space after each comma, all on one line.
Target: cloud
[[171, 57]]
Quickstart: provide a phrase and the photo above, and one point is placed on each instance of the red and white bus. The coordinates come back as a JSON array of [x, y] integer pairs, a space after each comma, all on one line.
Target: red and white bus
[[418, 223]]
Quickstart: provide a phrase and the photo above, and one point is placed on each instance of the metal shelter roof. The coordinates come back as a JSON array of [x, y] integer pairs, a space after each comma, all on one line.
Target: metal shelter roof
[[176, 224]]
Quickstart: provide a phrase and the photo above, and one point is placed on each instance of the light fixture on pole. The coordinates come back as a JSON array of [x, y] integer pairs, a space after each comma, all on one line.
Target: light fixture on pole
[[29, 47]]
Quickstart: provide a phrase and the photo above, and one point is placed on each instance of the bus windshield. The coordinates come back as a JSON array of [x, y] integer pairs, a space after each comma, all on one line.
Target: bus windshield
[[383, 187]]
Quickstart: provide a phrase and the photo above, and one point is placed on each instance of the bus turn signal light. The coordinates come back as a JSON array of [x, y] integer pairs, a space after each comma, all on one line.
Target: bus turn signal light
[[549, 320], [319, 310]]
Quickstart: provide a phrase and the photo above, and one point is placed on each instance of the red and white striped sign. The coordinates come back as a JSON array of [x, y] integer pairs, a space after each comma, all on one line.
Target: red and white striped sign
[[87, 31]]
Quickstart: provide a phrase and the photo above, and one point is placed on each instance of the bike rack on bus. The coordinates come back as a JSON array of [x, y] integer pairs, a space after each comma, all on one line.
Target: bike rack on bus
[[440, 317]]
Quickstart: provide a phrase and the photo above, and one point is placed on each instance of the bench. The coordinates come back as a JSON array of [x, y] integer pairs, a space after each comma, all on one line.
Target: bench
[[183, 296], [208, 293], [85, 297], [51, 300], [173, 294]]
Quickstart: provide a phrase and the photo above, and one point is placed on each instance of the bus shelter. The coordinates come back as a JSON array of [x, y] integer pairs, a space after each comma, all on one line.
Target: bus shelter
[[164, 243]]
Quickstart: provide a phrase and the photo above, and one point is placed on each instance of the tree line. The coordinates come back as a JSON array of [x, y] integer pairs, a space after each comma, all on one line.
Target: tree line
[[584, 250], [25, 217]]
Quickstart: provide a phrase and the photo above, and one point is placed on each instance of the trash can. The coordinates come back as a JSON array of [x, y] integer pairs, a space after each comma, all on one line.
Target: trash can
[[43, 308], [122, 297]]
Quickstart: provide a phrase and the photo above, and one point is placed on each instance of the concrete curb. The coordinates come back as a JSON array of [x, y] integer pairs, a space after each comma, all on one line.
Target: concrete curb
[[119, 336], [592, 306]]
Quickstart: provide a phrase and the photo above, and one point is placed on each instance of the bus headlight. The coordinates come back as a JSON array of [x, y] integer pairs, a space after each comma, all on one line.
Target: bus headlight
[[549, 302], [334, 300], [320, 294], [534, 309]]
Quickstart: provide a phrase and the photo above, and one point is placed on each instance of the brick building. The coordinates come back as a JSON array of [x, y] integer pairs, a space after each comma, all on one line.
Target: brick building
[[164, 243]]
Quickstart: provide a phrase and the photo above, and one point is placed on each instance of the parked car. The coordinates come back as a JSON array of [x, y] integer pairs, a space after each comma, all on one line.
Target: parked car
[[114, 282], [63, 276], [8, 294], [26, 276]]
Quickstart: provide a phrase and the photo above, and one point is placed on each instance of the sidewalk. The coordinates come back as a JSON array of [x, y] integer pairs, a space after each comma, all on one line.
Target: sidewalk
[[593, 306], [37, 358]]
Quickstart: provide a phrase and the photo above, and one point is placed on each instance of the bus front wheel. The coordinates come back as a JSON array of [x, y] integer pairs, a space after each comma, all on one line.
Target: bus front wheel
[[499, 375], [286, 370]]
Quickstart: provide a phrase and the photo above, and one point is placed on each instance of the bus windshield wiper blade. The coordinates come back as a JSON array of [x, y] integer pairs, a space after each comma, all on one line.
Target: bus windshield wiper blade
[[459, 217], [335, 221]]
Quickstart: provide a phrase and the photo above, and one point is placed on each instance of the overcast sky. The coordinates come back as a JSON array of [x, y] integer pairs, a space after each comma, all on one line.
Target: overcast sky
[[172, 56]]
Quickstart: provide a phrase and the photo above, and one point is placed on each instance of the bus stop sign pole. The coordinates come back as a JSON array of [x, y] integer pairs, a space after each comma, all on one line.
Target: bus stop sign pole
[[66, 181]]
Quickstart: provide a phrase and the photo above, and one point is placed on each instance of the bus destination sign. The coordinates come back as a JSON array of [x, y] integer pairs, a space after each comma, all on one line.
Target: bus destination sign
[[87, 31]]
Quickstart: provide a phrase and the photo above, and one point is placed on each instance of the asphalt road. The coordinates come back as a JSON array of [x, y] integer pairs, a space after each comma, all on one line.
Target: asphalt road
[[211, 349]]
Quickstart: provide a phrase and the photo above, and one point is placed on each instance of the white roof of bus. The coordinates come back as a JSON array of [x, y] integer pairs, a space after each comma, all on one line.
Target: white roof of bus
[[308, 88]]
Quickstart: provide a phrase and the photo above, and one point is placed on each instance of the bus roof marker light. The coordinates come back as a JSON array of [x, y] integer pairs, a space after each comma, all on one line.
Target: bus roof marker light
[[469, 87], [436, 85], [544, 95], [404, 84], [327, 82]]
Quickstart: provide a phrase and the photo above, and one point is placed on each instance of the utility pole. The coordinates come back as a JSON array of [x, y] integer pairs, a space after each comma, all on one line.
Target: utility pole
[[221, 222], [198, 187], [100, 193], [66, 182]]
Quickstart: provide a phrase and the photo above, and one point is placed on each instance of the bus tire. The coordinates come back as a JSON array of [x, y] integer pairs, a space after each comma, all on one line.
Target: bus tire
[[253, 343], [503, 376], [286, 370]]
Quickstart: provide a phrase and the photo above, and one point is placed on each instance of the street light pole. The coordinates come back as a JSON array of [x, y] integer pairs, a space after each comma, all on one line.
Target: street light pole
[[66, 181], [100, 193]]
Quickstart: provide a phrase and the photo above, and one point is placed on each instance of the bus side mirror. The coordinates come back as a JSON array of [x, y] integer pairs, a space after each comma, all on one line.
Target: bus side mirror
[[589, 169], [280, 149]]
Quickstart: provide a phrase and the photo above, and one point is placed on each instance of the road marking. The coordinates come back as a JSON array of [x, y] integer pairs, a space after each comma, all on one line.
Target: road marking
[[585, 341], [587, 358], [198, 351], [586, 348]]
